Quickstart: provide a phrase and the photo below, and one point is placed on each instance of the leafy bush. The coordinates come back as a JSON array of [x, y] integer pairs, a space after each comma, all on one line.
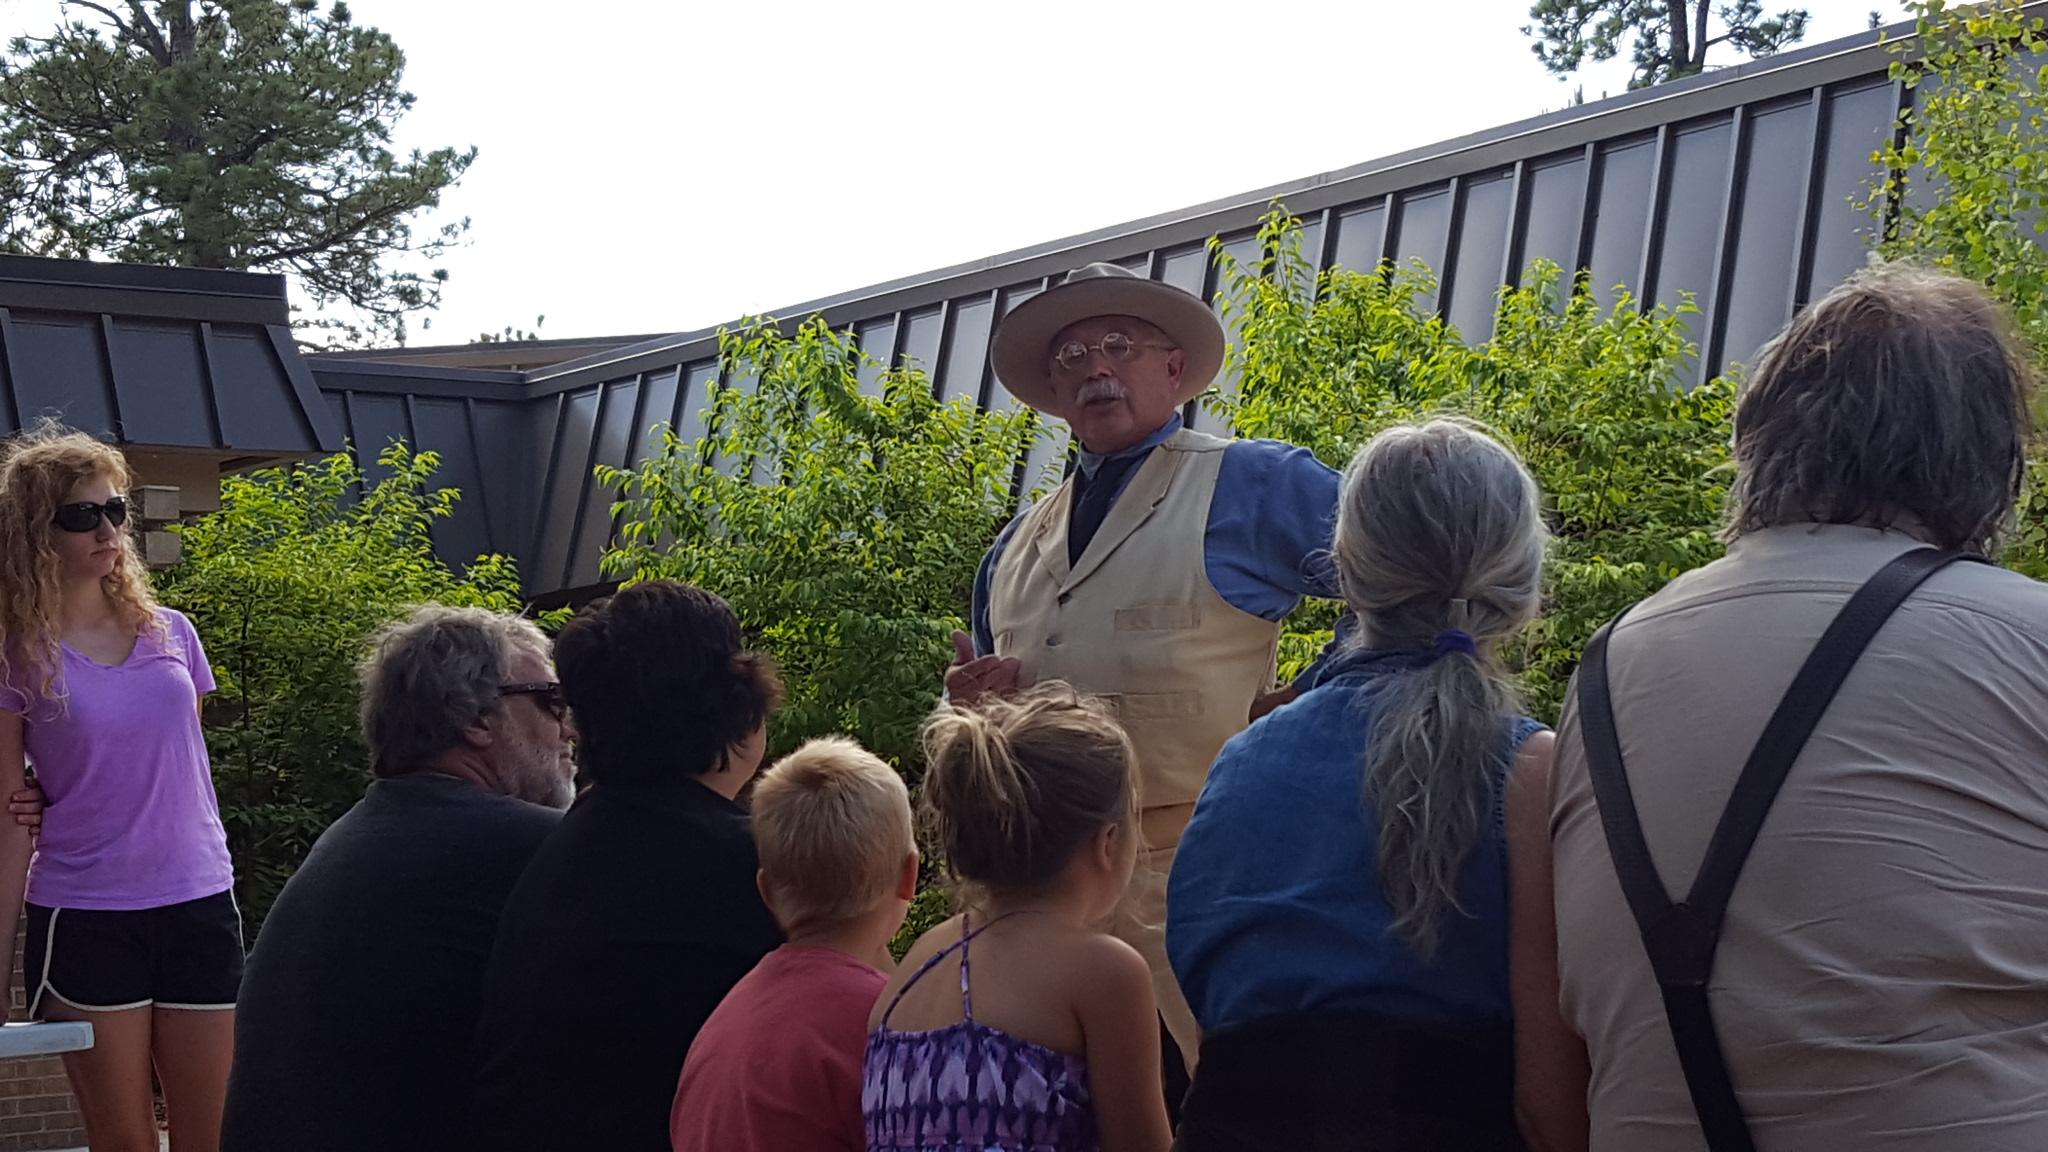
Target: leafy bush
[[1633, 465], [844, 529], [1977, 135], [284, 583], [932, 907]]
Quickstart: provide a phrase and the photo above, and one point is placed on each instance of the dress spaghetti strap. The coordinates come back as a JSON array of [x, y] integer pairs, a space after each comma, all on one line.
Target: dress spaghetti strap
[[966, 1085], [966, 1000]]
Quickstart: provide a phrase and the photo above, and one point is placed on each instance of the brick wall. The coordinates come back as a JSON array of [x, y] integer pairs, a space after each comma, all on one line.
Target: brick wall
[[36, 1108]]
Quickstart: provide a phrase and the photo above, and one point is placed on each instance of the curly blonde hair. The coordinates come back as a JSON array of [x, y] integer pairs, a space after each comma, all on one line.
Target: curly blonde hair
[[37, 470]]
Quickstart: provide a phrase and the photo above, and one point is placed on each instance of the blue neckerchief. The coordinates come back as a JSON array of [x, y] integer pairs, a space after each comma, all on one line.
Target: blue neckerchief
[[1090, 461]]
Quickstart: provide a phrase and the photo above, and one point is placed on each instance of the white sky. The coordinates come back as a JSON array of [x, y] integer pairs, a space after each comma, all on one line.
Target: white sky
[[653, 166]]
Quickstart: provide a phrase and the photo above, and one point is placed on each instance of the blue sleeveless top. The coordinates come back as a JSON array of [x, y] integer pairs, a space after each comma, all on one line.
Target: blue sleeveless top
[[1274, 903], [971, 1088]]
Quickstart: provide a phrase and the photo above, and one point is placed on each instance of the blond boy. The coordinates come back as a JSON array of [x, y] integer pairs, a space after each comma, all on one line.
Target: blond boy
[[777, 1067]]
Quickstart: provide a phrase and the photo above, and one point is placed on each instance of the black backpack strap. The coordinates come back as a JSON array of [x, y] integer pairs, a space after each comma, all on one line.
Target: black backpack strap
[[1681, 938]]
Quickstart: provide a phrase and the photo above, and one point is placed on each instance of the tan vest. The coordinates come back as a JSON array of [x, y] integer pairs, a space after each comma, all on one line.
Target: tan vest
[[1137, 622]]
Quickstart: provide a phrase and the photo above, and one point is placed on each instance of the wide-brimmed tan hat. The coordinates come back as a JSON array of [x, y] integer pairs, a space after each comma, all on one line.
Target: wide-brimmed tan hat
[[1023, 344]]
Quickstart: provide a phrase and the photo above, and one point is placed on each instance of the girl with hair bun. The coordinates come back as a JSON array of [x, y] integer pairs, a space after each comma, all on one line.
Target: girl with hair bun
[[1360, 909], [1046, 1037]]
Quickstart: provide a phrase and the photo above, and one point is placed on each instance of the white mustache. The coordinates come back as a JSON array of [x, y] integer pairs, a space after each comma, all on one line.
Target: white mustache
[[1100, 388]]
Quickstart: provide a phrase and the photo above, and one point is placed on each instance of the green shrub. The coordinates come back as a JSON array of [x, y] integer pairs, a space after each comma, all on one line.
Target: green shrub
[[844, 529], [1633, 466], [284, 583], [1977, 134]]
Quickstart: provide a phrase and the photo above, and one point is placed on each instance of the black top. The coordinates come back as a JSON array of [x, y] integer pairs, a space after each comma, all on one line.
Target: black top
[[631, 924], [357, 1017], [1355, 1080]]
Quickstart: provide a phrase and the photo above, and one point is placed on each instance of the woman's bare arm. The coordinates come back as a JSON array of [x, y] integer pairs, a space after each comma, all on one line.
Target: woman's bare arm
[[15, 839], [1551, 1071]]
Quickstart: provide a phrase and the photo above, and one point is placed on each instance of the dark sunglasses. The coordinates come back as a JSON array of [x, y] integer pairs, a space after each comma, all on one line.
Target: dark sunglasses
[[84, 516], [546, 693]]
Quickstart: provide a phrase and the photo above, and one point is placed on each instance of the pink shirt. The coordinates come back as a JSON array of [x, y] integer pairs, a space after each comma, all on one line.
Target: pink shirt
[[777, 1067], [131, 820]]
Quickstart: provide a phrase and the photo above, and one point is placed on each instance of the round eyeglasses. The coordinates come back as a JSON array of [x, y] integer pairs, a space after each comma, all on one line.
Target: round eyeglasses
[[1116, 347]]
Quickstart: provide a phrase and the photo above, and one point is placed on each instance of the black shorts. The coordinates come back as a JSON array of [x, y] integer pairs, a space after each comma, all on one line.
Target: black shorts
[[185, 955]]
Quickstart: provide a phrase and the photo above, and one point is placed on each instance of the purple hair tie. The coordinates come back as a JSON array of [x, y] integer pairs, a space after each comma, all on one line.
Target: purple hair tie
[[1453, 640]]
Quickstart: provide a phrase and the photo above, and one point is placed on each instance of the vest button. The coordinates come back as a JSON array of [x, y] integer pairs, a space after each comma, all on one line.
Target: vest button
[[1052, 641]]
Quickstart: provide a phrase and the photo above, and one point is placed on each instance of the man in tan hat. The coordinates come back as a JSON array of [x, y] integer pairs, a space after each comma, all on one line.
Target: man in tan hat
[[1158, 573]]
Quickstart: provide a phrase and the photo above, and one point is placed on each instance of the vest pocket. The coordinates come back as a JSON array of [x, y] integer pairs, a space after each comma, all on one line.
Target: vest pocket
[[1158, 617], [1154, 705]]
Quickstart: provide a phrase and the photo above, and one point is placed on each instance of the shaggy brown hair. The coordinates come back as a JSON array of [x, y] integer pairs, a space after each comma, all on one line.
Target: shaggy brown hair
[[1900, 399]]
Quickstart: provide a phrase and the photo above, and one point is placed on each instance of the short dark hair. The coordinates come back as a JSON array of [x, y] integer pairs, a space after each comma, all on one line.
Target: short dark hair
[[1900, 397], [660, 684]]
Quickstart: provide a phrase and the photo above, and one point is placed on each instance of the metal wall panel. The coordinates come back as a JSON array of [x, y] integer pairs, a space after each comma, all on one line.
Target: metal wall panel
[[568, 474], [919, 346], [693, 404], [337, 407], [1359, 236], [1482, 247], [657, 409], [878, 341], [1620, 215], [1694, 199], [1759, 298], [175, 402], [615, 435], [1186, 269], [441, 424], [59, 368], [1556, 204], [511, 457], [257, 417], [966, 360], [1858, 124], [1688, 232], [1421, 231], [376, 420]]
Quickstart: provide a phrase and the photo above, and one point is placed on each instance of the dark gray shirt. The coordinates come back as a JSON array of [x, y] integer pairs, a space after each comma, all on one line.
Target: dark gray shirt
[[357, 1017]]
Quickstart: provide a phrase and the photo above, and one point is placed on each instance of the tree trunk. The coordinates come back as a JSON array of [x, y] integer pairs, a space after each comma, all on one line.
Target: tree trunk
[[1681, 36], [1699, 37], [199, 216], [184, 33]]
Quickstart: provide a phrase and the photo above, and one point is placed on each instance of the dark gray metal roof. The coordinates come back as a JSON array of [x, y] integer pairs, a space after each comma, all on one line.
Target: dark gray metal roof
[[158, 357], [1734, 187], [518, 355]]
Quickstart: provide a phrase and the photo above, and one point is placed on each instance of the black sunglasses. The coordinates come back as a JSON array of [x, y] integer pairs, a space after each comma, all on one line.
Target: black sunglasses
[[84, 516], [546, 693]]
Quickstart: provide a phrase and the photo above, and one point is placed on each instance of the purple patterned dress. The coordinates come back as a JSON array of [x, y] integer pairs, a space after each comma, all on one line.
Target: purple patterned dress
[[971, 1088]]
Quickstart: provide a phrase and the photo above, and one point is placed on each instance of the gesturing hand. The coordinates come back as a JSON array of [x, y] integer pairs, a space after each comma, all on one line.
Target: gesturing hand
[[971, 677]]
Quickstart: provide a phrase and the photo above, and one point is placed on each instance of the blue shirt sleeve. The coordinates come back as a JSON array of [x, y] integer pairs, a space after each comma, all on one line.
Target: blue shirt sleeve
[[1270, 525], [984, 638]]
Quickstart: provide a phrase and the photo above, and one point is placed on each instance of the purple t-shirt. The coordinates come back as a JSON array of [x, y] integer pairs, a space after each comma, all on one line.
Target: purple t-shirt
[[131, 820]]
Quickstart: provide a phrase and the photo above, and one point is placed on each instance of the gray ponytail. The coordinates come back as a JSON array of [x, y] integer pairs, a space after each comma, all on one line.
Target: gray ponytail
[[1438, 528]]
